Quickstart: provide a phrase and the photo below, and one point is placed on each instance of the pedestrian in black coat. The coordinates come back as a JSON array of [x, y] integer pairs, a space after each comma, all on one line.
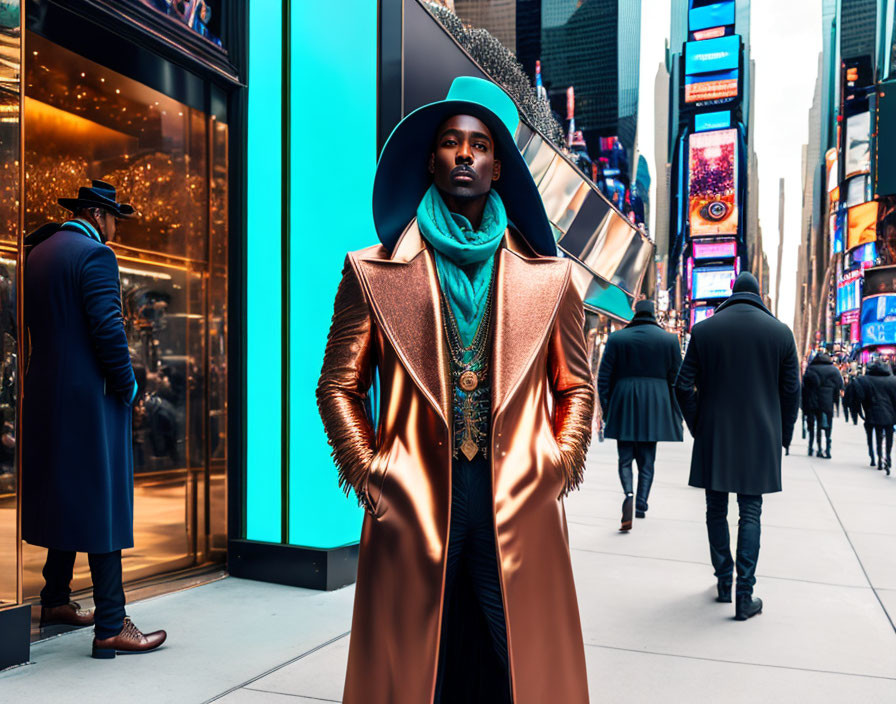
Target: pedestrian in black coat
[[851, 402], [739, 391], [77, 462], [635, 385], [822, 384], [877, 394]]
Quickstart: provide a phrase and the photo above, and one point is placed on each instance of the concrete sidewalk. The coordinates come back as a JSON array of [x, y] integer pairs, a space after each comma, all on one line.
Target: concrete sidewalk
[[827, 574]]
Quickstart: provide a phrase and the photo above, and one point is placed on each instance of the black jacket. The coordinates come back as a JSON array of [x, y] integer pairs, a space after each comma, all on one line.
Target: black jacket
[[876, 392], [850, 397], [739, 391], [635, 380], [822, 382]]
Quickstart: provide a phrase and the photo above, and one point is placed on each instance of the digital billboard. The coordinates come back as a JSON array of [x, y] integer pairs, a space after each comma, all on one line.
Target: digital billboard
[[719, 86], [716, 14], [712, 282], [701, 313], [861, 224], [831, 163], [858, 144], [706, 121], [880, 279], [879, 320], [712, 189], [837, 225], [849, 291], [858, 190], [863, 256], [711, 55], [715, 250]]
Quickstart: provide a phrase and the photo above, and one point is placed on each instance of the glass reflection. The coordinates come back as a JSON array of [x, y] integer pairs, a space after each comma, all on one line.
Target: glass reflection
[[84, 121], [10, 189]]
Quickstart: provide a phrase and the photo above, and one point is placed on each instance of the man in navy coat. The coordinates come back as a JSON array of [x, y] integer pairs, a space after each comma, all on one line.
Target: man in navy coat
[[77, 461]]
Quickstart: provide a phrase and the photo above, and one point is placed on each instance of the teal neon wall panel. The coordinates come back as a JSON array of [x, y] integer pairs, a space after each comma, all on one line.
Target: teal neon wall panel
[[333, 159], [263, 280]]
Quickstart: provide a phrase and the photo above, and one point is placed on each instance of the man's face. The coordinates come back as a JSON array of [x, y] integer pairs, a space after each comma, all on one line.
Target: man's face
[[463, 162], [107, 223]]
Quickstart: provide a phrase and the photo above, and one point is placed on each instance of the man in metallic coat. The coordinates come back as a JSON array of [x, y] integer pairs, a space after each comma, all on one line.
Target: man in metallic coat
[[469, 323]]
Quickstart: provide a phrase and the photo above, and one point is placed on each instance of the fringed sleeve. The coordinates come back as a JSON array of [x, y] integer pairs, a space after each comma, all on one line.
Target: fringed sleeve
[[344, 384], [572, 386]]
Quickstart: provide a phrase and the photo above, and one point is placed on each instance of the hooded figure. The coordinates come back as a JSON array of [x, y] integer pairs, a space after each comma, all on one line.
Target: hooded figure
[[822, 384], [739, 391], [635, 385], [474, 331], [876, 391]]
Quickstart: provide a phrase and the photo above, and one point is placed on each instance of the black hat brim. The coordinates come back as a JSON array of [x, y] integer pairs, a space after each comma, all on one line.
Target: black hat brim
[[120, 210], [402, 177]]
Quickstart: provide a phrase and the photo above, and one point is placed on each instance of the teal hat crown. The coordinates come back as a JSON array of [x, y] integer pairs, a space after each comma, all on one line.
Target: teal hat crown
[[402, 176], [485, 93]]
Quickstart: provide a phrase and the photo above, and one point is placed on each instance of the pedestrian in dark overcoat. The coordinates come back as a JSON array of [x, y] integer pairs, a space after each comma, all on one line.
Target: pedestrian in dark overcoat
[[739, 391], [877, 394], [77, 462], [851, 402], [822, 384], [635, 386]]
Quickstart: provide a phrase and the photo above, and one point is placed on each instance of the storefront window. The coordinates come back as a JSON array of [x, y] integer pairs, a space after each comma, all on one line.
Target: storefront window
[[82, 122], [10, 53]]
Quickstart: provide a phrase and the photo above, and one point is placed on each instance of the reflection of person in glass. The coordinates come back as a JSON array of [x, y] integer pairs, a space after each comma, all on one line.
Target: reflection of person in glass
[[78, 480], [475, 332]]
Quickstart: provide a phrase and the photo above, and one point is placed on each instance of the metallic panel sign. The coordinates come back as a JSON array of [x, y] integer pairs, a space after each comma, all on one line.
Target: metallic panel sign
[[722, 54], [712, 201]]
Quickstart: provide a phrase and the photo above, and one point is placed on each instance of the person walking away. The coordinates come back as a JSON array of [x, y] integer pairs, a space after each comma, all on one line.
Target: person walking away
[[739, 392], [822, 383], [850, 401], [878, 398], [635, 386], [77, 461]]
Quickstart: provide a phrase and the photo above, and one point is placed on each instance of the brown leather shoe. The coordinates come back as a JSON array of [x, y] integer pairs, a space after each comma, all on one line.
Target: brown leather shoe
[[69, 614], [130, 640]]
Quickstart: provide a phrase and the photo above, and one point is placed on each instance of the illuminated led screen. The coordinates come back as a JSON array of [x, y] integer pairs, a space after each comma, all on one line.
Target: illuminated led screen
[[879, 320], [712, 282], [858, 144], [701, 313], [861, 224], [708, 87], [714, 15], [706, 121], [849, 292], [715, 250], [710, 55], [712, 189]]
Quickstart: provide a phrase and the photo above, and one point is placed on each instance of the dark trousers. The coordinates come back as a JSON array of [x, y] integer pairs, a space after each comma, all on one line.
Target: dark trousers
[[869, 436], [818, 422], [471, 539], [108, 592], [882, 432], [748, 530], [644, 453]]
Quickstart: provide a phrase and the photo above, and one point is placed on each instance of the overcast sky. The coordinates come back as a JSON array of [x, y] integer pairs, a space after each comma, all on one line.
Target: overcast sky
[[785, 42]]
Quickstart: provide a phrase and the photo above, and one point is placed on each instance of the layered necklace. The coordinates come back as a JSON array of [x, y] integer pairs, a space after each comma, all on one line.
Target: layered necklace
[[469, 370]]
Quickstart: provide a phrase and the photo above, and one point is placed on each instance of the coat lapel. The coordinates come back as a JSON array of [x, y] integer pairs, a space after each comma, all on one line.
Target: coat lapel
[[404, 291], [526, 299]]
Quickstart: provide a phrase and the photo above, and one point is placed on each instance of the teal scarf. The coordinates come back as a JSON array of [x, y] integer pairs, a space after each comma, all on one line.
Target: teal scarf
[[465, 258]]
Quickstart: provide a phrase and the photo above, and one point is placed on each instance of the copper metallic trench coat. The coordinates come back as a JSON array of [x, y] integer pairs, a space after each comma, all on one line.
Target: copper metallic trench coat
[[387, 315]]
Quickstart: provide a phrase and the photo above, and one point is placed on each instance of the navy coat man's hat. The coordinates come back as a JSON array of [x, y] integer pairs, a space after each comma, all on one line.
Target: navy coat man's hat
[[100, 195], [402, 177]]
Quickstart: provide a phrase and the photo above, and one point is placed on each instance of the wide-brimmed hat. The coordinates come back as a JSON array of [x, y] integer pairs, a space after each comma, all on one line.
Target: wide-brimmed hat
[[99, 195], [402, 177]]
